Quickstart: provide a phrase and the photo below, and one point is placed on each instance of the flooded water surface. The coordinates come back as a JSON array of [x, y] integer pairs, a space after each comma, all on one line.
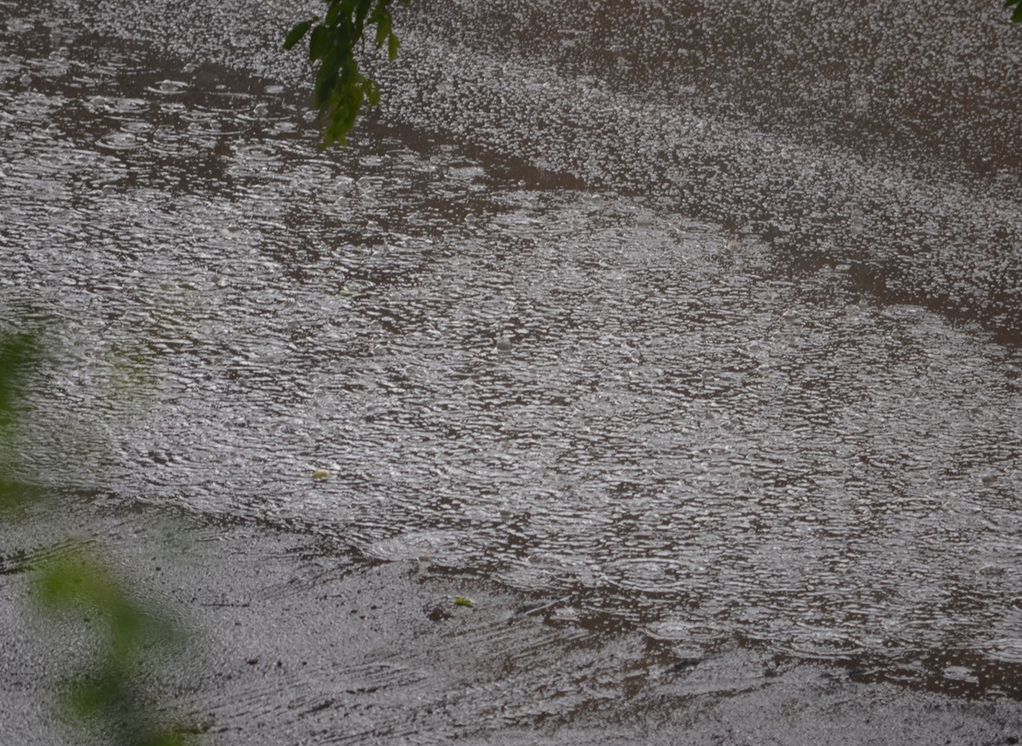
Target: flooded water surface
[[649, 419]]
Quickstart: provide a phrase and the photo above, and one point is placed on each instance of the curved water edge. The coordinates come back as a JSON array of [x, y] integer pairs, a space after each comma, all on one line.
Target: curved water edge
[[844, 134], [678, 434]]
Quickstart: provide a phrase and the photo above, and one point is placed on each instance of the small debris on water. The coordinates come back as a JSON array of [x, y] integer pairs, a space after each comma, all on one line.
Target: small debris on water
[[320, 475], [437, 614], [684, 664], [462, 601]]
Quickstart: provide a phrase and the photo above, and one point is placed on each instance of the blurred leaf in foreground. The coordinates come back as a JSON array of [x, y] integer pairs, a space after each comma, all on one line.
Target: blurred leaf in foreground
[[18, 353], [109, 693]]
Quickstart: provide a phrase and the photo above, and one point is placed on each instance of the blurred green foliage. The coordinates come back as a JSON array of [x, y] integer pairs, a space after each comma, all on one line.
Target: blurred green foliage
[[18, 353], [1016, 15], [107, 693], [335, 39]]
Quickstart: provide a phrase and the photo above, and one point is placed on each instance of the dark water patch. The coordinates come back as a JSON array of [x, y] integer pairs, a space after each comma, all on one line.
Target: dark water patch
[[867, 76]]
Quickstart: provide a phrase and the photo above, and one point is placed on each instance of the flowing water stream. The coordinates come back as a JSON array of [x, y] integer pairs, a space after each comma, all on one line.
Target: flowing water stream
[[649, 419]]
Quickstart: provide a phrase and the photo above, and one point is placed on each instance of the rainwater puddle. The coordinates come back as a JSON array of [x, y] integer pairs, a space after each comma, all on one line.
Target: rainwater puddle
[[565, 390]]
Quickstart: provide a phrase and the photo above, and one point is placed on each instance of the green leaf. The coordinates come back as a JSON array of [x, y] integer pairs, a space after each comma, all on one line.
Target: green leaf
[[341, 92], [295, 34], [332, 13], [372, 93], [17, 352], [462, 601], [319, 43], [383, 29], [361, 11]]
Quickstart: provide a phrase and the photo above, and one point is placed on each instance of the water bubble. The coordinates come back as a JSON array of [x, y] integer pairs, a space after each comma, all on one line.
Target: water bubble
[[655, 574], [415, 545], [169, 87], [120, 141]]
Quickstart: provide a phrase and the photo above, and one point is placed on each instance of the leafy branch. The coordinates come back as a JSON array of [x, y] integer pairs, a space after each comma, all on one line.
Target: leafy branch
[[341, 88]]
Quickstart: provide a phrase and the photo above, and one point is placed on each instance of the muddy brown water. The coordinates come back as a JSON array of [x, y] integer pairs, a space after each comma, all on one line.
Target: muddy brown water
[[651, 416]]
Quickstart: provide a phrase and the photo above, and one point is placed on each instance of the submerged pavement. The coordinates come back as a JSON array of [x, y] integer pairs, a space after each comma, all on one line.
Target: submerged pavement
[[709, 362], [293, 641]]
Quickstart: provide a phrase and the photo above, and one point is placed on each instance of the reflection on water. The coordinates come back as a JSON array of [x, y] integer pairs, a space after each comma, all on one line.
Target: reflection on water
[[630, 411]]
